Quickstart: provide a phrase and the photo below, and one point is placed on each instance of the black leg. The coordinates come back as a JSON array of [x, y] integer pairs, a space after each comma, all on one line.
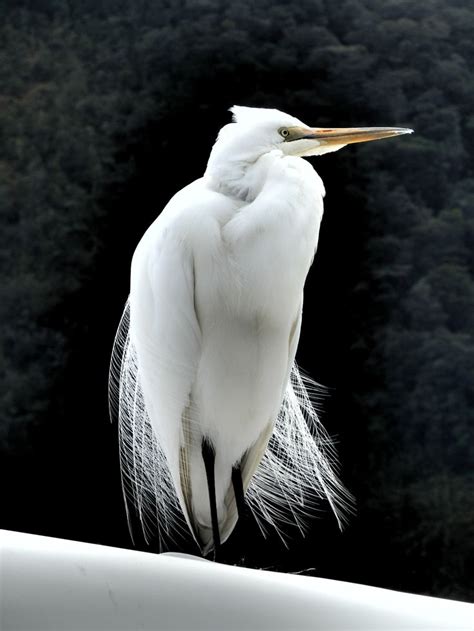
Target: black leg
[[238, 490], [209, 456], [241, 538]]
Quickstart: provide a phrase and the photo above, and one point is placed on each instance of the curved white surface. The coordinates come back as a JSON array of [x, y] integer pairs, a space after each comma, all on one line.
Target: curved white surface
[[53, 584]]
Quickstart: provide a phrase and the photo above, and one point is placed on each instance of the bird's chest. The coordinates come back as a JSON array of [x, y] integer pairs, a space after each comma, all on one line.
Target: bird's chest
[[269, 268], [262, 254]]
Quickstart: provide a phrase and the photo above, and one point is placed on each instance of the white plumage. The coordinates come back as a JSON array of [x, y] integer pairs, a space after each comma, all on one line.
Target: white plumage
[[206, 347]]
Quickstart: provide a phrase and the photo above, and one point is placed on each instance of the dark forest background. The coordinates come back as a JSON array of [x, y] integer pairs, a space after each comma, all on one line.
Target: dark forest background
[[107, 107]]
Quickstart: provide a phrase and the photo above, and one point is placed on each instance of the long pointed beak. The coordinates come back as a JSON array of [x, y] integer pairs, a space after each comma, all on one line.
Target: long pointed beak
[[348, 135]]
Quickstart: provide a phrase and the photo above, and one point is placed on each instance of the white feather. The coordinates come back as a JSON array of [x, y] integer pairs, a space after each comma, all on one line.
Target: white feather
[[215, 310], [298, 468], [206, 347]]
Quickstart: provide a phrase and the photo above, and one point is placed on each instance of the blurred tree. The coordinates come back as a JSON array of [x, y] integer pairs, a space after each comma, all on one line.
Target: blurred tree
[[98, 102]]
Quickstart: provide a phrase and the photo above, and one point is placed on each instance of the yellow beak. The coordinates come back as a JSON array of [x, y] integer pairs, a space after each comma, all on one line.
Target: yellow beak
[[346, 135]]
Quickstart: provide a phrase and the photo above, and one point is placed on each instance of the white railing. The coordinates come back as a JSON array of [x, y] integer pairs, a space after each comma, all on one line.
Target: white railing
[[53, 584]]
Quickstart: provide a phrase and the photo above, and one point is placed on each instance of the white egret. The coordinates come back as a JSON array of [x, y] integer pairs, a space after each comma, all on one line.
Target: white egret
[[211, 405]]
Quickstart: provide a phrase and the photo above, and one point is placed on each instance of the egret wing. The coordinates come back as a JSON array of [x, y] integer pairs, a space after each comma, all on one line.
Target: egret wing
[[159, 360], [165, 334]]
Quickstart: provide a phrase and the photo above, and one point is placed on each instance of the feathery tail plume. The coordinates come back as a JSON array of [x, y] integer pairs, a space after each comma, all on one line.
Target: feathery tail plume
[[297, 469]]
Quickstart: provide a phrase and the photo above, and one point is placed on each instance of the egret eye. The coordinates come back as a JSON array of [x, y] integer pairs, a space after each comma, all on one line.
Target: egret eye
[[284, 132]]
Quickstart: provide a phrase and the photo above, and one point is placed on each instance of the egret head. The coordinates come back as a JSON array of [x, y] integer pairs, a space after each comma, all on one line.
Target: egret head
[[256, 131]]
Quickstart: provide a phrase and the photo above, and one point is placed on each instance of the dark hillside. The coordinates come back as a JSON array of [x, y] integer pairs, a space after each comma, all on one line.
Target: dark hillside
[[106, 109]]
